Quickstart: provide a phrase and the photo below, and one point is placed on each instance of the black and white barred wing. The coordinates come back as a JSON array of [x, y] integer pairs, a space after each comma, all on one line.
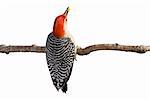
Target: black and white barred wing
[[60, 55]]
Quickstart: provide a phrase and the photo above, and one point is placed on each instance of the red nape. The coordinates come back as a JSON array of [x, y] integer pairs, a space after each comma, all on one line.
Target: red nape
[[58, 28]]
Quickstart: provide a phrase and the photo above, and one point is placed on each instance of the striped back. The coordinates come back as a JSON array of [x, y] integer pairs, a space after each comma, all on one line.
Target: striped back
[[60, 54]]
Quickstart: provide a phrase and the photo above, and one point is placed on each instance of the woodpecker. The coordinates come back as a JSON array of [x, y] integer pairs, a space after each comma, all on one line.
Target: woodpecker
[[60, 52]]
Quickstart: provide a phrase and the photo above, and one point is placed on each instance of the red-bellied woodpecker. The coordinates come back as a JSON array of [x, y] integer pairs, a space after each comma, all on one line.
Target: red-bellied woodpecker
[[60, 52]]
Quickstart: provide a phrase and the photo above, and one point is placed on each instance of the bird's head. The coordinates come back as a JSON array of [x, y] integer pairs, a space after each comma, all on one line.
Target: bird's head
[[60, 25]]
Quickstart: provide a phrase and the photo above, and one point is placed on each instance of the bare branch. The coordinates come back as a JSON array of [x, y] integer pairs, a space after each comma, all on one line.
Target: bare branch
[[80, 51], [117, 47], [32, 48]]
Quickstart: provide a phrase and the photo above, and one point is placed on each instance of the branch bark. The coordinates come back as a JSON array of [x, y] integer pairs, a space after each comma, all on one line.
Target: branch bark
[[80, 51]]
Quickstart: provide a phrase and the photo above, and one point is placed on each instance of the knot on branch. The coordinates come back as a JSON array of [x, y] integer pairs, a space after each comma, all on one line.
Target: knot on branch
[[140, 49], [4, 49]]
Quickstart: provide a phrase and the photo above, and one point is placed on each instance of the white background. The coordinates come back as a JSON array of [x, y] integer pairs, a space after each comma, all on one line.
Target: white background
[[99, 75]]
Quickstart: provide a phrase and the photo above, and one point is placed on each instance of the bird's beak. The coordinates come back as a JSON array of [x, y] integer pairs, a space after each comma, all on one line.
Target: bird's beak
[[66, 12]]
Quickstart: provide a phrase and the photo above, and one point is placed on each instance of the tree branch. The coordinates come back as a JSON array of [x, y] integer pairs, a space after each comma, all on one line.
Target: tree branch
[[12, 48], [80, 51], [117, 47]]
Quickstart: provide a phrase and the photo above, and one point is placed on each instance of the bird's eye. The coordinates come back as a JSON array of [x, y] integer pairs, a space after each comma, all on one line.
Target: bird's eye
[[66, 19]]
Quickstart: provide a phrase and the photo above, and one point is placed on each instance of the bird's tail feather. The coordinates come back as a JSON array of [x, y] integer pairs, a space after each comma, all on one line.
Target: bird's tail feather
[[64, 88]]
